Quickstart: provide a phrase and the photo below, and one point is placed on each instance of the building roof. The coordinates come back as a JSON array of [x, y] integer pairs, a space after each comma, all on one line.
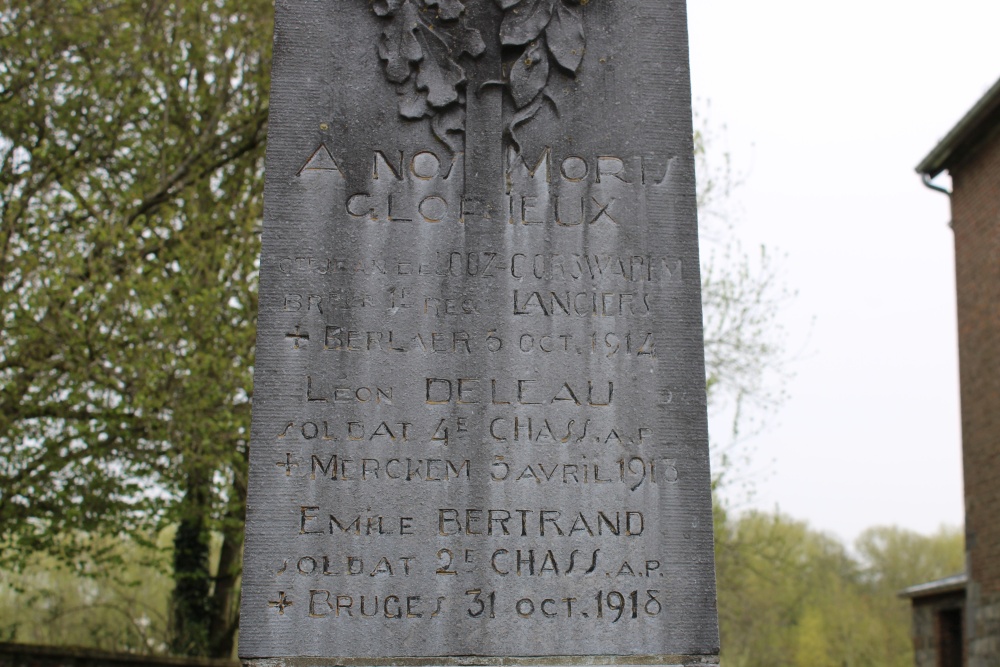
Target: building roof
[[982, 121], [951, 584]]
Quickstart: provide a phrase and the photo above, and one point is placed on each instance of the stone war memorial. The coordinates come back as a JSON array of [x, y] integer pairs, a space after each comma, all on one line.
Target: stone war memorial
[[479, 423]]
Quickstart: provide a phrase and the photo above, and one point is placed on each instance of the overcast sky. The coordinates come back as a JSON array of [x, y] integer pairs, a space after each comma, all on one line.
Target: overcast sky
[[828, 107]]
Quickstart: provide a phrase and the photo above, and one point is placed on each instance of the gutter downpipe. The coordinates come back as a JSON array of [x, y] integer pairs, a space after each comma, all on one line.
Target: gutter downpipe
[[926, 178]]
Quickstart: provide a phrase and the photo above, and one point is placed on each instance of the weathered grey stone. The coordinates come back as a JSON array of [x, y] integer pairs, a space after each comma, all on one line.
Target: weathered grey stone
[[479, 425]]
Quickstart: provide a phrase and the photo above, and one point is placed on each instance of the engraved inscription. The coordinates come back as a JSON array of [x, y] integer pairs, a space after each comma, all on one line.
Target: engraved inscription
[[478, 425], [522, 266]]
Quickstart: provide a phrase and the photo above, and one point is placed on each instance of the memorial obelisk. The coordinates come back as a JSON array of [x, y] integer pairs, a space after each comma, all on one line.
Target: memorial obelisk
[[479, 425]]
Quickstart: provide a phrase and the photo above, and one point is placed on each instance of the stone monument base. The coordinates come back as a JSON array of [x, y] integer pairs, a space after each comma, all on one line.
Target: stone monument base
[[495, 661]]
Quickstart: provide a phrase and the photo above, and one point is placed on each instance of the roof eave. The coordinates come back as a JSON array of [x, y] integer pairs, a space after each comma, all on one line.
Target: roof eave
[[964, 135], [950, 584]]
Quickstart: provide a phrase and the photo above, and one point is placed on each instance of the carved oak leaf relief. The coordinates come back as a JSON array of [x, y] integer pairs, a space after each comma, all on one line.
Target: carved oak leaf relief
[[398, 45], [423, 40], [449, 125], [439, 75], [449, 10], [420, 45]]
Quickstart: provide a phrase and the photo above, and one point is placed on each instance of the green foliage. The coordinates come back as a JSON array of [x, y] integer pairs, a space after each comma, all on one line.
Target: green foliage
[[793, 597], [124, 608], [130, 196], [894, 558]]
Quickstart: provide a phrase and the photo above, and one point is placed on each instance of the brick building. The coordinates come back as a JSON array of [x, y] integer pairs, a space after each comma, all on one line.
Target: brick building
[[969, 606]]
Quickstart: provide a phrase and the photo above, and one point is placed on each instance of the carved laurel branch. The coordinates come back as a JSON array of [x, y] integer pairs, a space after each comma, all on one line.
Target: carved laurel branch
[[550, 34], [423, 41]]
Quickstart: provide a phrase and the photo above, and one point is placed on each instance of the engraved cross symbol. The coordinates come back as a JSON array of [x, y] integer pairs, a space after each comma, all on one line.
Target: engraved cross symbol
[[287, 464], [297, 336], [281, 603]]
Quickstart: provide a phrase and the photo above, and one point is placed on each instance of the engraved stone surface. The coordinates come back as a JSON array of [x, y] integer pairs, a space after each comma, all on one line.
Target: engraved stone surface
[[479, 430]]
